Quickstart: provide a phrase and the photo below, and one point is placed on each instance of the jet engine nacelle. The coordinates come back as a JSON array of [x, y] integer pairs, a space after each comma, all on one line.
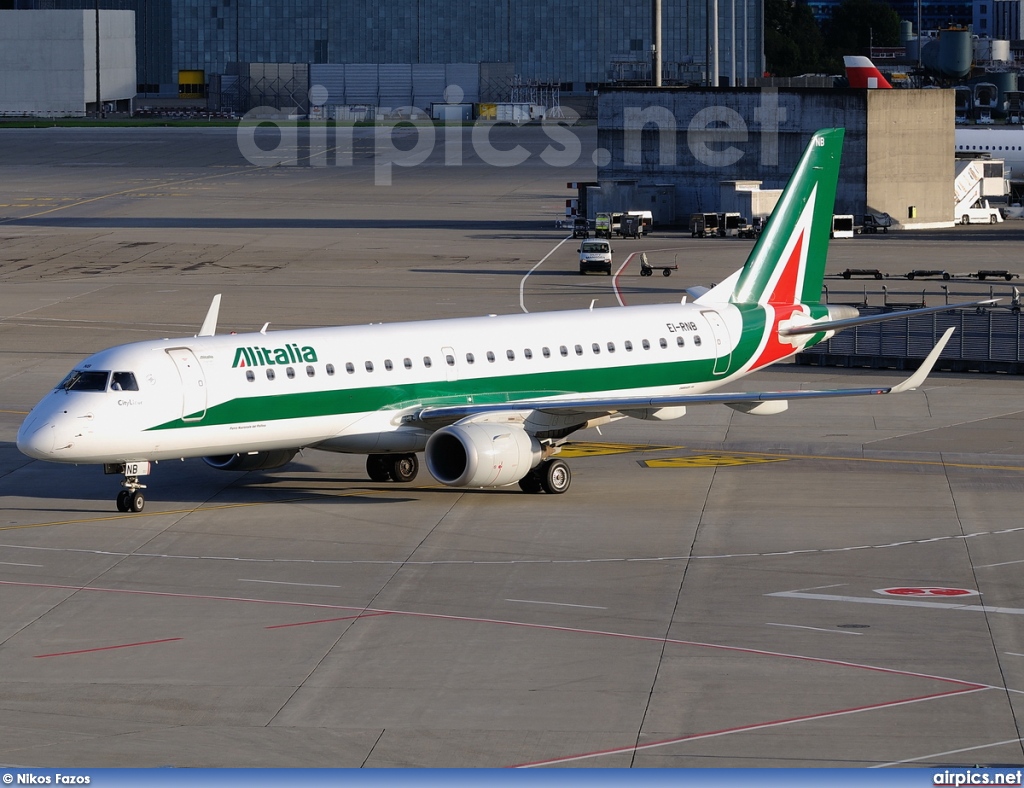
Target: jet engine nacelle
[[481, 454], [253, 461]]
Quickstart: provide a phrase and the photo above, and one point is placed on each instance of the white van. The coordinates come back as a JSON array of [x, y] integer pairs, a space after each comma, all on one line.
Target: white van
[[595, 255]]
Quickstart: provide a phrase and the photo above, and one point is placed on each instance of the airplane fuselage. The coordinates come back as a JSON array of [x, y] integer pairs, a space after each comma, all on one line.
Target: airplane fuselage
[[352, 388], [1000, 142]]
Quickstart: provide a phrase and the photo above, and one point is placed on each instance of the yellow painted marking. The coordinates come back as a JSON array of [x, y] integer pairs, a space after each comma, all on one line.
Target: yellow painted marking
[[936, 463], [19, 412], [586, 449], [709, 461]]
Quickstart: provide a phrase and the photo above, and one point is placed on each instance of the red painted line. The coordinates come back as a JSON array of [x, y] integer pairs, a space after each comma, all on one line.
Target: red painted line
[[746, 728], [503, 622], [328, 620], [106, 648]]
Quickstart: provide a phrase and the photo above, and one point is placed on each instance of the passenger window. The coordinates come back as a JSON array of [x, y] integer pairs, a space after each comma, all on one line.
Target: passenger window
[[330, 369], [449, 360], [680, 341], [350, 367], [470, 358], [250, 375], [579, 350], [563, 350], [663, 343], [270, 374], [388, 365], [369, 366], [611, 347], [696, 340], [596, 348], [407, 363], [546, 352], [646, 345], [527, 353], [427, 362], [124, 381], [490, 356], [510, 355], [628, 345], [290, 372], [310, 372]]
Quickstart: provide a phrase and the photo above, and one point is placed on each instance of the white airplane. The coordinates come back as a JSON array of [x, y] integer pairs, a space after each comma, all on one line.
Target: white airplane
[[488, 400], [1003, 142]]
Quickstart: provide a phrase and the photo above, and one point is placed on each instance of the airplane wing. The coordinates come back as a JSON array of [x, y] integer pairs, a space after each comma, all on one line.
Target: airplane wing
[[588, 408]]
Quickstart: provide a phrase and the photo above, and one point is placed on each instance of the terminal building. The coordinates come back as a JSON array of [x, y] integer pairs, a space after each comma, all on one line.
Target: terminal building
[[574, 43]]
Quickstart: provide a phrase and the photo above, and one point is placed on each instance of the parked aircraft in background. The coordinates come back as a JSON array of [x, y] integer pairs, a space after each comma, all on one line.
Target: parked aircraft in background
[[1000, 142], [488, 400]]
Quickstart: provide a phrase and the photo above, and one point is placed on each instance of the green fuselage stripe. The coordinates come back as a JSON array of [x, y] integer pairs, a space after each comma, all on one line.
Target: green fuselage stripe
[[483, 390]]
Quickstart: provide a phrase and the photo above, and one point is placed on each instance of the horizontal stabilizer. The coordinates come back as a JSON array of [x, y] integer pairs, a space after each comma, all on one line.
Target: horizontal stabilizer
[[850, 322]]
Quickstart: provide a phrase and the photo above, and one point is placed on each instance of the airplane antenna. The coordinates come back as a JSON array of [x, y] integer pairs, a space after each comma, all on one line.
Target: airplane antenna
[[592, 304], [265, 327], [209, 327]]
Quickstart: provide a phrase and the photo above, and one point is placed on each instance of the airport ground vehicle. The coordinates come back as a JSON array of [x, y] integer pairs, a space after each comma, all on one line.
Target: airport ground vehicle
[[647, 269], [603, 225], [876, 223], [596, 255], [703, 224], [981, 213]]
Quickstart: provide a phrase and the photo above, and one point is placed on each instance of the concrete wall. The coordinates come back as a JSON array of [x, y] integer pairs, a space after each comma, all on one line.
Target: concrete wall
[[48, 60], [910, 156], [695, 139], [117, 55]]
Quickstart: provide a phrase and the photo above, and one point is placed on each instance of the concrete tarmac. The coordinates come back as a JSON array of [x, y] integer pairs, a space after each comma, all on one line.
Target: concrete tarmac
[[831, 586]]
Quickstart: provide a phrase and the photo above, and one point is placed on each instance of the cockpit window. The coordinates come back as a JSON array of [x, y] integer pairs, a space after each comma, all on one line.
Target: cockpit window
[[123, 381], [85, 380]]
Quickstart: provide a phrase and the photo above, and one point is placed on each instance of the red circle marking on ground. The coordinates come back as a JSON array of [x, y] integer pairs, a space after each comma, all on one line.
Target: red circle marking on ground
[[927, 591]]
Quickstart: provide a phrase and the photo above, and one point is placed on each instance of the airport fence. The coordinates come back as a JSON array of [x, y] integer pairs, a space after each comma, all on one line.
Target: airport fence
[[987, 339]]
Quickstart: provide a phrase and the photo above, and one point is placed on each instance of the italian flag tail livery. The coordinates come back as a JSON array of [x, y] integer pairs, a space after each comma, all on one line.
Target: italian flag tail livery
[[787, 265]]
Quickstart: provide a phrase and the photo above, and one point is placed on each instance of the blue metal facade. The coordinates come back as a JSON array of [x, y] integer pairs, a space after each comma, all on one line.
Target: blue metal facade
[[547, 40]]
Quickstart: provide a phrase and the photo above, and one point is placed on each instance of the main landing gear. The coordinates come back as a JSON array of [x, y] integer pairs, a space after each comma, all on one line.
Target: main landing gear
[[551, 476], [392, 467]]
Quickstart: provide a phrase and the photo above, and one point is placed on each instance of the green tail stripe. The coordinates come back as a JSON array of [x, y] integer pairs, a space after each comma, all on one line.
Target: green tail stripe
[[817, 174]]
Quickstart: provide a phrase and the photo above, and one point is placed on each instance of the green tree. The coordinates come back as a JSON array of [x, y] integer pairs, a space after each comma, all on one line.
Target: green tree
[[856, 25], [793, 44]]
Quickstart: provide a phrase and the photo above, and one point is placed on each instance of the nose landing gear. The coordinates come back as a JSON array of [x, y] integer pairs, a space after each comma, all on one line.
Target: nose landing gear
[[131, 498]]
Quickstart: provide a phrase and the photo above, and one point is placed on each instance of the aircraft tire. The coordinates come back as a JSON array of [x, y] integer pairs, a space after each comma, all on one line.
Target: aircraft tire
[[555, 476], [136, 502], [965, 219], [122, 501], [404, 467], [378, 467]]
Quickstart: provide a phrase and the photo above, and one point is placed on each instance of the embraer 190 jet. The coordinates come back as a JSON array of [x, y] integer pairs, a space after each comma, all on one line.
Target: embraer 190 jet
[[489, 401]]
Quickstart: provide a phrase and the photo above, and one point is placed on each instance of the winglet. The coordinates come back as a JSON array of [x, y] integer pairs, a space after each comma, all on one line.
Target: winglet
[[209, 327], [915, 380]]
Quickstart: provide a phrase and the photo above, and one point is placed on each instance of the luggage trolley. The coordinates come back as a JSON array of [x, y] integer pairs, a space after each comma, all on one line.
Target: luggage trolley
[[646, 269]]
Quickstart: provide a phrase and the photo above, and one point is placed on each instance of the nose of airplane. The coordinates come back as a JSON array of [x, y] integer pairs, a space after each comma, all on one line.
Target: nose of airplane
[[36, 439]]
